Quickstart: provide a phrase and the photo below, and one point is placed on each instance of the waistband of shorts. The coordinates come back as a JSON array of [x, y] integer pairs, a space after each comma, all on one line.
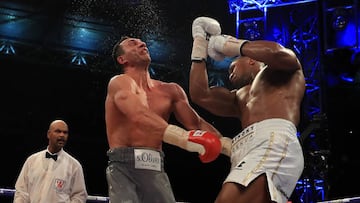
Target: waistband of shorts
[[277, 124], [270, 124], [126, 154]]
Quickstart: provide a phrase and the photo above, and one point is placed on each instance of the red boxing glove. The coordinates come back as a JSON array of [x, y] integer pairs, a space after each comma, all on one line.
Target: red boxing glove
[[209, 141]]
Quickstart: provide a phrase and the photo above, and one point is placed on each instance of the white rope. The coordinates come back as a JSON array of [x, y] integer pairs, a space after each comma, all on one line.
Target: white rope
[[11, 192], [353, 199]]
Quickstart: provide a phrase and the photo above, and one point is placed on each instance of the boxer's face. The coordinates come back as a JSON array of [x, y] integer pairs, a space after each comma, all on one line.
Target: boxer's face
[[241, 72], [134, 50]]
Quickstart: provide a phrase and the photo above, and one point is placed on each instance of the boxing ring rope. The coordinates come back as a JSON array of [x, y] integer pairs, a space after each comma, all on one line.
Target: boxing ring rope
[[91, 198], [352, 199]]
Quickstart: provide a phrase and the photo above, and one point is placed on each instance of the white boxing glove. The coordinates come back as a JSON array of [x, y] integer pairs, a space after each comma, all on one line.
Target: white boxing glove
[[204, 25], [221, 46], [201, 28]]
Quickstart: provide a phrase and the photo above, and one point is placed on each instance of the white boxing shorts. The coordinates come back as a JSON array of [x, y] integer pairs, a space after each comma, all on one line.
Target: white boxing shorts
[[271, 147]]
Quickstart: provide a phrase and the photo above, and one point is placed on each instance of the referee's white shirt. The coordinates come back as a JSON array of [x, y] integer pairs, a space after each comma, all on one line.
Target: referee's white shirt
[[44, 180]]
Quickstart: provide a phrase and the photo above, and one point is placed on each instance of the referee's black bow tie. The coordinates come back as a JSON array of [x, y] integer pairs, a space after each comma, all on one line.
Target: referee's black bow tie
[[53, 156]]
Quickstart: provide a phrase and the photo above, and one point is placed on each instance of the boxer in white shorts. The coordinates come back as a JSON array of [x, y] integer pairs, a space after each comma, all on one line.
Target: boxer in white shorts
[[269, 85], [268, 147]]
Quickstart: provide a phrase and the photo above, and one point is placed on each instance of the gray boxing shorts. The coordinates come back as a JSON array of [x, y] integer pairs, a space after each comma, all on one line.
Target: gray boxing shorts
[[136, 175]]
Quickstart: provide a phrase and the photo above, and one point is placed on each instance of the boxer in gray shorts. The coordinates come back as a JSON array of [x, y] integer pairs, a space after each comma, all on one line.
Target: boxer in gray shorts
[[136, 175]]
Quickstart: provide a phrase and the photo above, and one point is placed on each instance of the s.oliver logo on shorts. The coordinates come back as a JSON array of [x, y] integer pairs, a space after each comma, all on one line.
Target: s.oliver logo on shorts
[[147, 159]]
